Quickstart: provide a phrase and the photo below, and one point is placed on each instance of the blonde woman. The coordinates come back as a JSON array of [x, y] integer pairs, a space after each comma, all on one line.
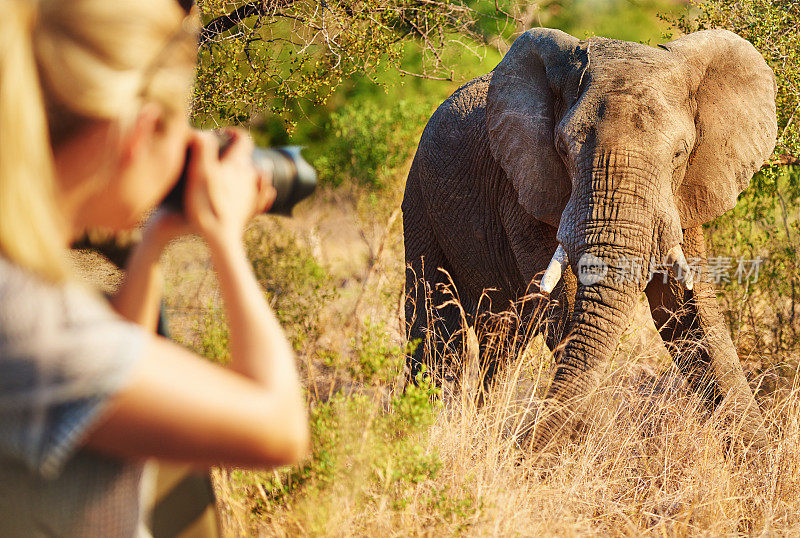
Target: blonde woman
[[93, 132]]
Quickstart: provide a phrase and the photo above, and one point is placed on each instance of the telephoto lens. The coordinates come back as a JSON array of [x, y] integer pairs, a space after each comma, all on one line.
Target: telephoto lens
[[293, 177]]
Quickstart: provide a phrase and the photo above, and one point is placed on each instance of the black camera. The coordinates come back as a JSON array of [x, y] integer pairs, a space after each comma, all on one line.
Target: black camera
[[292, 176]]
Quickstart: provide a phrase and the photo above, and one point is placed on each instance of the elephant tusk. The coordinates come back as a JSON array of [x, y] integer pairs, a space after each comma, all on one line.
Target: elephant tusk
[[553, 273], [679, 267]]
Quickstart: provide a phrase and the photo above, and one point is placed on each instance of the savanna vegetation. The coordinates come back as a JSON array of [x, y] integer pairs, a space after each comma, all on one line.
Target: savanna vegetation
[[355, 81]]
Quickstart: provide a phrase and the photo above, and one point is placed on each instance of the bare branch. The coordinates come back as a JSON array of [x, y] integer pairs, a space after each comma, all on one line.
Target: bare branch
[[784, 159], [422, 75], [294, 51]]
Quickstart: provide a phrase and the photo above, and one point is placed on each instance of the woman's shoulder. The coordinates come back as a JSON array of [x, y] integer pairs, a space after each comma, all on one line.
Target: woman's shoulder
[[64, 328], [29, 303]]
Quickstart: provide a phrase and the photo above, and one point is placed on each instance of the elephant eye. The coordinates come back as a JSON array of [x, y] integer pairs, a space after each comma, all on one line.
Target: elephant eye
[[561, 147], [680, 152]]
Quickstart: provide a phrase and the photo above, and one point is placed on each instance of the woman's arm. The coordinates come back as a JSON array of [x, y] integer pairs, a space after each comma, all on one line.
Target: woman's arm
[[180, 407], [138, 297]]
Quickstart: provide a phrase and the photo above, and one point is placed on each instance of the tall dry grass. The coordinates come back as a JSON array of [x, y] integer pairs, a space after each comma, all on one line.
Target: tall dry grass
[[649, 461], [648, 458]]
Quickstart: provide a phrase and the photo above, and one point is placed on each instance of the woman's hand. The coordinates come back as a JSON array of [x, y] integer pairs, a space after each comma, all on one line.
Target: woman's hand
[[163, 226], [224, 191]]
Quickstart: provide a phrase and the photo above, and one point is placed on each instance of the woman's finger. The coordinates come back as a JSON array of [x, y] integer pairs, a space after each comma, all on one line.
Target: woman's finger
[[203, 161], [240, 145], [266, 193], [204, 149]]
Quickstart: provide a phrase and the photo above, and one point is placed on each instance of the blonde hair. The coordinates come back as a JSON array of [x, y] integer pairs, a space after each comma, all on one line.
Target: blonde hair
[[64, 64]]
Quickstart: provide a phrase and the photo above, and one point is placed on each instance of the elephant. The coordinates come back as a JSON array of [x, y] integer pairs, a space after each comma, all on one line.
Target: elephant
[[603, 150]]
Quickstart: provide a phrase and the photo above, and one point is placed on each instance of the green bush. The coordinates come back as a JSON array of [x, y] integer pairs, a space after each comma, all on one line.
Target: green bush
[[295, 283], [368, 444], [763, 225], [616, 19], [375, 360], [370, 142], [764, 222], [214, 335], [367, 454], [771, 26]]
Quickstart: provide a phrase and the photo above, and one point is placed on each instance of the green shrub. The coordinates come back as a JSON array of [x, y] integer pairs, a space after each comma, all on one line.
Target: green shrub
[[370, 142], [764, 225], [764, 222], [617, 19], [366, 455], [375, 360], [368, 447], [214, 336], [771, 26], [295, 283]]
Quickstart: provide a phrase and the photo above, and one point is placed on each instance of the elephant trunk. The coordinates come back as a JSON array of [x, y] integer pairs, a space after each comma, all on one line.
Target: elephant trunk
[[609, 231], [602, 311]]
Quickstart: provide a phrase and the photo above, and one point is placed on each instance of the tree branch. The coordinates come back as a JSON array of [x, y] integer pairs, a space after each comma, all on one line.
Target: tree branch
[[784, 159], [423, 75], [224, 23]]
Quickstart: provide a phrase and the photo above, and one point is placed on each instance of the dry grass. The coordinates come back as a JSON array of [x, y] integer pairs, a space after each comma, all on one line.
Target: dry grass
[[651, 461]]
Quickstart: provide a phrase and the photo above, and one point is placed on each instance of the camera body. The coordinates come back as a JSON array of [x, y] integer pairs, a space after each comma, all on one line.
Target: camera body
[[293, 177]]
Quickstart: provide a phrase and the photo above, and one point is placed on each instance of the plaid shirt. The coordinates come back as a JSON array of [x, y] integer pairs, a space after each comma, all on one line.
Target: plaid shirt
[[63, 354]]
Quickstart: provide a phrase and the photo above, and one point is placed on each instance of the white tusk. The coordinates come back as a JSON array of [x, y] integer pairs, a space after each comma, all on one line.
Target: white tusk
[[553, 273], [679, 267]]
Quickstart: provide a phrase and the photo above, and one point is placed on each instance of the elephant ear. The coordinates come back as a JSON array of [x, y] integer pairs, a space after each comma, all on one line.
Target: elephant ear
[[520, 119], [734, 90]]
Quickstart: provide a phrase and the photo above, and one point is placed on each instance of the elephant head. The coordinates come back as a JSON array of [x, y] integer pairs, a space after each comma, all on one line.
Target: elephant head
[[622, 147]]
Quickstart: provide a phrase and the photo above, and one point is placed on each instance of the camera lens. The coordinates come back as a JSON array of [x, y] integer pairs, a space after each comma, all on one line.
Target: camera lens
[[293, 177]]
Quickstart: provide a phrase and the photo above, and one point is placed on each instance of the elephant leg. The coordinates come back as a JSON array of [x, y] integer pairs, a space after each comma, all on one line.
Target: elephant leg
[[435, 326], [692, 326], [503, 335], [500, 338]]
